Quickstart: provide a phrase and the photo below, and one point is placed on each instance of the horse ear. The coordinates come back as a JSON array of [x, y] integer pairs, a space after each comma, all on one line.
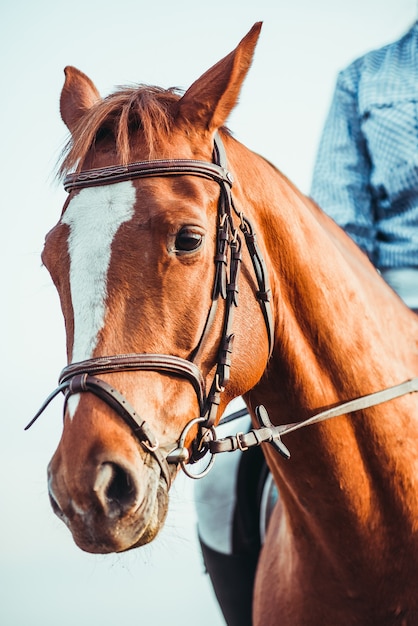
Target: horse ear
[[211, 98], [77, 96]]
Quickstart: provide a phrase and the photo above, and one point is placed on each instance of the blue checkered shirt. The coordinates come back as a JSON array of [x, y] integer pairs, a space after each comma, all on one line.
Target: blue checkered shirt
[[366, 172]]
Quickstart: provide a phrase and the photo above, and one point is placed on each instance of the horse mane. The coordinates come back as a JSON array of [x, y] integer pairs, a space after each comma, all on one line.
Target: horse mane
[[115, 117]]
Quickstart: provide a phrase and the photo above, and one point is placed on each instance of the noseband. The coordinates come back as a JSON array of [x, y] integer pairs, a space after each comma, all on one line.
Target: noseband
[[83, 376]]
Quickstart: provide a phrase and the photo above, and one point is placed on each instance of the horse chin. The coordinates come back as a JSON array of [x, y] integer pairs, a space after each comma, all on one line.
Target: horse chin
[[96, 534]]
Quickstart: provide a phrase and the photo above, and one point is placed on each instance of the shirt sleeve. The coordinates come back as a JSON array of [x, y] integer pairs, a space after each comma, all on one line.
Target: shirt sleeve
[[341, 178]]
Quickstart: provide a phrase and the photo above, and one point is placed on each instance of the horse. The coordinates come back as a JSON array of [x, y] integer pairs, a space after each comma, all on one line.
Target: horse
[[191, 271]]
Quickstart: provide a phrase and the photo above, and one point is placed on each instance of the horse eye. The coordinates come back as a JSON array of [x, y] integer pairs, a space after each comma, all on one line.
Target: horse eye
[[188, 240]]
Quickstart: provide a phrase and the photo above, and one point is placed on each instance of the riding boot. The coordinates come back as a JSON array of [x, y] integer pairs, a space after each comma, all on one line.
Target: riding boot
[[232, 577]]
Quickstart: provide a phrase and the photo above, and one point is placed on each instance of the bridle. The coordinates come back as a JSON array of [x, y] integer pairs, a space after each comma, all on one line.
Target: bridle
[[83, 377]]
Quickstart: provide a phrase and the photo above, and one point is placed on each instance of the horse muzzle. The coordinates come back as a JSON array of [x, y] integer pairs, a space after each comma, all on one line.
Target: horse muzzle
[[112, 505]]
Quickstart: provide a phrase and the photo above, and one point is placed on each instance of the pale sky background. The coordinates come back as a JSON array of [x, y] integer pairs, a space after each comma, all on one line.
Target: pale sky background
[[45, 580]]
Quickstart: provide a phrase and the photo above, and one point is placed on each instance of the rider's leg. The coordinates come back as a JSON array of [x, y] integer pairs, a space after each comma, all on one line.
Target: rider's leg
[[228, 509]]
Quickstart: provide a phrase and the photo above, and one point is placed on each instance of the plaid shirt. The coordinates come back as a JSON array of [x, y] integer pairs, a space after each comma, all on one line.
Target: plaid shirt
[[366, 172]]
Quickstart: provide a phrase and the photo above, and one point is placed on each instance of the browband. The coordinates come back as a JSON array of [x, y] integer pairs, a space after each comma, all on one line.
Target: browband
[[147, 169]]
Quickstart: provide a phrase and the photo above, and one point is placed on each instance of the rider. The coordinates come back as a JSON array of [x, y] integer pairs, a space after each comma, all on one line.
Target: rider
[[366, 179]]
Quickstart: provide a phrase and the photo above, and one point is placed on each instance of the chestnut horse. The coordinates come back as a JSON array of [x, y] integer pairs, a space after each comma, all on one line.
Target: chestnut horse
[[164, 208]]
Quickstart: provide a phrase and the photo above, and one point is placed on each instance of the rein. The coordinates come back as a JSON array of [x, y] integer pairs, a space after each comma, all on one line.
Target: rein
[[82, 377], [267, 433]]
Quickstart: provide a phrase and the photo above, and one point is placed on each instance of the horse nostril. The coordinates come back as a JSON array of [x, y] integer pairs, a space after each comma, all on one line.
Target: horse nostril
[[56, 507], [115, 489]]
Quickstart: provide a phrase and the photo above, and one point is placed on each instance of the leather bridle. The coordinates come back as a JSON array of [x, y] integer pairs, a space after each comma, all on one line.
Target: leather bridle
[[82, 377]]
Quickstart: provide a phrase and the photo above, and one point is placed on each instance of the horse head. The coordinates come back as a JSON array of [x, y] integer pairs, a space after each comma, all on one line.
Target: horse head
[[140, 260]]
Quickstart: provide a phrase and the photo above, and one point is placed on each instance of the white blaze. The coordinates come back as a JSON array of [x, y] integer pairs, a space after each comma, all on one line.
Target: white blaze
[[94, 217]]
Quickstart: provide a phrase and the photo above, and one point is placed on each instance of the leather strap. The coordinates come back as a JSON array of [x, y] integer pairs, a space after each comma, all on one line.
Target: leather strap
[[272, 434], [84, 382], [165, 363], [358, 404], [147, 169], [263, 294]]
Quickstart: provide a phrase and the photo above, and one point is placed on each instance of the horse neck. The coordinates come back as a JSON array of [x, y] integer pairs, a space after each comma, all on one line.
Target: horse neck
[[340, 330], [340, 333]]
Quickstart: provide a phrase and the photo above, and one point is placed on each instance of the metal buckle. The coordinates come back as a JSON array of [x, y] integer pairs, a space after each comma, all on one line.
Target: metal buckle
[[241, 445], [148, 446]]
